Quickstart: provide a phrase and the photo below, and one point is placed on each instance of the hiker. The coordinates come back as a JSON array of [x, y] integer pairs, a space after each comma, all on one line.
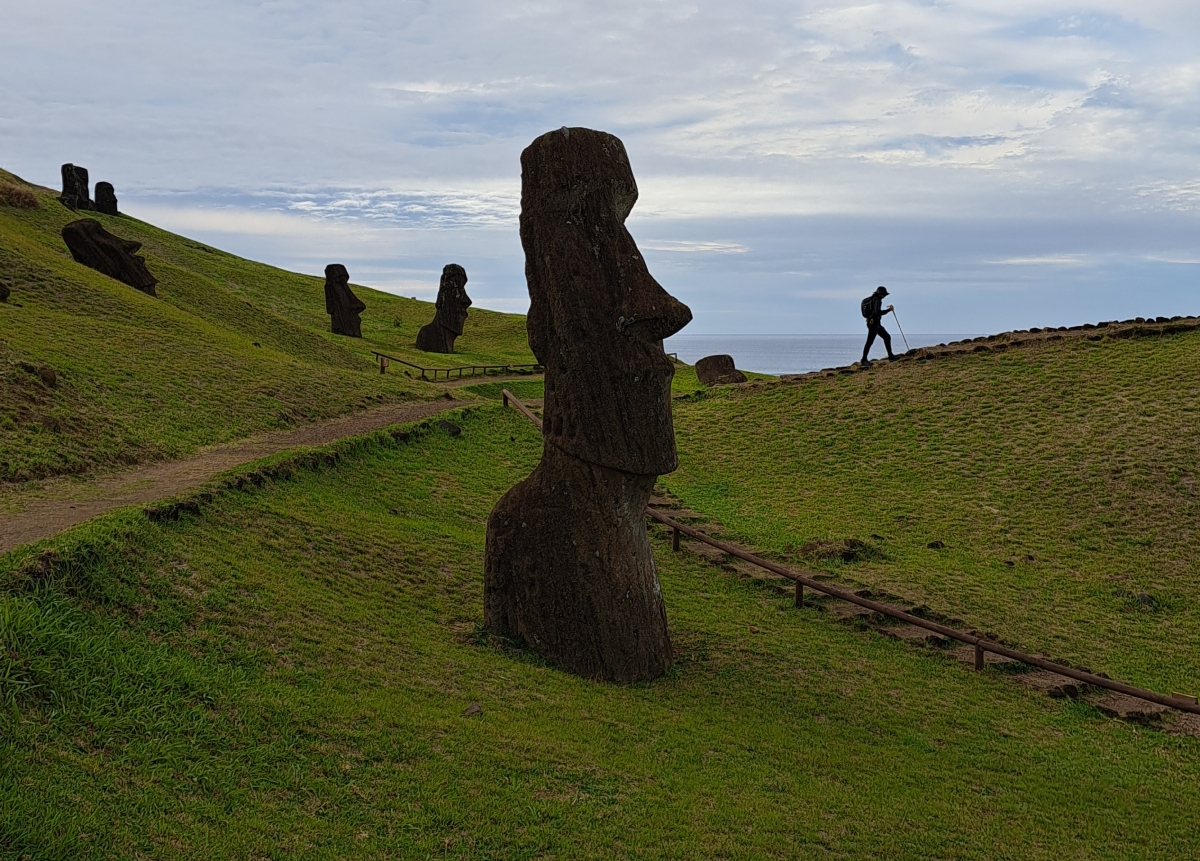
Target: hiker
[[872, 311]]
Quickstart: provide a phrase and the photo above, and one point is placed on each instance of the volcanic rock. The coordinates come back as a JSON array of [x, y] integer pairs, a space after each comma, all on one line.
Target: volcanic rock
[[75, 188], [342, 306], [451, 315], [718, 371], [106, 198], [96, 248], [568, 567], [4, 292]]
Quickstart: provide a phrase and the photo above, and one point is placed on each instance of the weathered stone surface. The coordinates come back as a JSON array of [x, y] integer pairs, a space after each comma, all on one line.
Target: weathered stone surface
[[718, 371], [568, 567], [4, 292], [96, 248], [75, 188], [106, 198], [451, 314], [342, 306]]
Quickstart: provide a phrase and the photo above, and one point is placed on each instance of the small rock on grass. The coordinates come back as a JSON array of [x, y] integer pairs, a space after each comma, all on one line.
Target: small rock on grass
[[472, 710], [936, 545], [449, 427]]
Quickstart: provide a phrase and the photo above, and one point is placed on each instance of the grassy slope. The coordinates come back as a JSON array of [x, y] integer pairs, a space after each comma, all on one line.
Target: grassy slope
[[285, 676], [1074, 463], [142, 378]]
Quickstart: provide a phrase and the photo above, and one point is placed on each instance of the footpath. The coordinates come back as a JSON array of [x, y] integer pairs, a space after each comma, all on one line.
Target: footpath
[[32, 514]]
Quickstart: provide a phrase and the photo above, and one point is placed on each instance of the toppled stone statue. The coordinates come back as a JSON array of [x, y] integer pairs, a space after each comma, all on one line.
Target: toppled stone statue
[[568, 567], [75, 188], [106, 198], [342, 306], [452, 304], [718, 371], [96, 248]]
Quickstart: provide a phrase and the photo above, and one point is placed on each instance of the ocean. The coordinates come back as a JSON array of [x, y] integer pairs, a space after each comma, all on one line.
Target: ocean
[[793, 354]]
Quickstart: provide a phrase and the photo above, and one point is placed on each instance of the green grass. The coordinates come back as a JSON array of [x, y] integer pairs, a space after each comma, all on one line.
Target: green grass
[[285, 675], [1062, 480], [229, 348]]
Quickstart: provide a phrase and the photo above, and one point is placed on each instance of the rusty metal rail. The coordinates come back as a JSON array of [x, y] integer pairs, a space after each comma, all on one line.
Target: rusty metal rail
[[459, 371], [1175, 701]]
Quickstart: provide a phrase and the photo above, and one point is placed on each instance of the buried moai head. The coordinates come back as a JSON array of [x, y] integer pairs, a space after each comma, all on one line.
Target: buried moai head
[[106, 198], [75, 193], [597, 317], [342, 306], [451, 315], [96, 248]]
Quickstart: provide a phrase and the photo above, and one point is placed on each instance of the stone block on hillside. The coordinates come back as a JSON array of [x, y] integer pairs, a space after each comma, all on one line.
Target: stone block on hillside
[[76, 192], [342, 306], [568, 568], [96, 248], [451, 314], [106, 198], [718, 371]]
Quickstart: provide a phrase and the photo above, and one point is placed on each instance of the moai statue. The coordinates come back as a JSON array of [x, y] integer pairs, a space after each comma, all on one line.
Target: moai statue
[[451, 315], [96, 248], [342, 306], [75, 188], [106, 198], [718, 371], [568, 567]]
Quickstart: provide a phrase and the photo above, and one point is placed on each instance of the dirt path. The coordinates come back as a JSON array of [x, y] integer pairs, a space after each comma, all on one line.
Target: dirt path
[[59, 505]]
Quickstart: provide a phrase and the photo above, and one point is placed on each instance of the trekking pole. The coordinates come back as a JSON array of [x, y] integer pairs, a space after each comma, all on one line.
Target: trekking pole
[[897, 319]]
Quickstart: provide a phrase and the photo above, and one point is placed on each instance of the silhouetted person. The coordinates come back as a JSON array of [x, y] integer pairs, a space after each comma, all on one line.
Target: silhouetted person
[[873, 311]]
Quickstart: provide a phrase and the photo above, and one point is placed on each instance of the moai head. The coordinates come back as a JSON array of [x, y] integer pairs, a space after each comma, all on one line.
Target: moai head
[[597, 318], [337, 280], [75, 188], [93, 246], [106, 198], [452, 299]]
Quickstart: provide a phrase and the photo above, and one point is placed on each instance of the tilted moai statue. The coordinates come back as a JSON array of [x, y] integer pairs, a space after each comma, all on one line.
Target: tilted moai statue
[[568, 567], [106, 198], [96, 248], [718, 371], [342, 306], [75, 188], [451, 315]]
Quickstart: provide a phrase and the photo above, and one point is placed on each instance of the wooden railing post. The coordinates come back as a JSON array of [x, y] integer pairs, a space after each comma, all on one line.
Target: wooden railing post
[[799, 594], [675, 540]]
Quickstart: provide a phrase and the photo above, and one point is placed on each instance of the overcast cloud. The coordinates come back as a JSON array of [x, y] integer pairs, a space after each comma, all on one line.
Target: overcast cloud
[[995, 164]]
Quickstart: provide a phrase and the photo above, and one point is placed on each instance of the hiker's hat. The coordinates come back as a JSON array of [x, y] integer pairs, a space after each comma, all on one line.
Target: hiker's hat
[[881, 290]]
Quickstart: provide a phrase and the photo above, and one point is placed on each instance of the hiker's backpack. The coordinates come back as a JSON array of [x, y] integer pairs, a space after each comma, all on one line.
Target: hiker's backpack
[[868, 307]]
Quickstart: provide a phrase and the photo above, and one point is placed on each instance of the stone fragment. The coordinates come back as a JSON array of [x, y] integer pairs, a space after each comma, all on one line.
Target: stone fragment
[[342, 306], [451, 315], [96, 248], [75, 188], [718, 371], [449, 427], [4, 292], [106, 198], [568, 567]]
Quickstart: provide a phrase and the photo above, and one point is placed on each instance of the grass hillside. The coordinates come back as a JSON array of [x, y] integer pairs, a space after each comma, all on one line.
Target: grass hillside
[[229, 347], [288, 674], [1061, 478]]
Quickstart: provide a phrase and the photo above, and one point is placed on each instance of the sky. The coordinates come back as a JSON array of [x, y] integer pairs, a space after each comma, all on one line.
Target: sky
[[996, 164]]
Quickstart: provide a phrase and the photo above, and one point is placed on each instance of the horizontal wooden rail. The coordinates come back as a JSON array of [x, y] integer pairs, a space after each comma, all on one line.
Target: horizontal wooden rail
[[1175, 701], [459, 371]]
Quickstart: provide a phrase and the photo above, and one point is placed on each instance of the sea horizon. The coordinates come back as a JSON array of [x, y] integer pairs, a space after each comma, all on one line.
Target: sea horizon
[[797, 353]]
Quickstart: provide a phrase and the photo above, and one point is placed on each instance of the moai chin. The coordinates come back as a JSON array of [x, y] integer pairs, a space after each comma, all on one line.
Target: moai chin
[[568, 567], [451, 314], [342, 306], [96, 248]]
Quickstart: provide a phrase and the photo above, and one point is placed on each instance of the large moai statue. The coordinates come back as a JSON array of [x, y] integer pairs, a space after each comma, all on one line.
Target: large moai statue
[[106, 198], [75, 188], [96, 248], [342, 306], [568, 567], [451, 315]]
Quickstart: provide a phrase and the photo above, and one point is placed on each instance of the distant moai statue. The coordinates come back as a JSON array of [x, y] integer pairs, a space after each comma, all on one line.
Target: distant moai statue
[[568, 567], [451, 315], [342, 306], [106, 198], [718, 371], [75, 188], [96, 248]]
